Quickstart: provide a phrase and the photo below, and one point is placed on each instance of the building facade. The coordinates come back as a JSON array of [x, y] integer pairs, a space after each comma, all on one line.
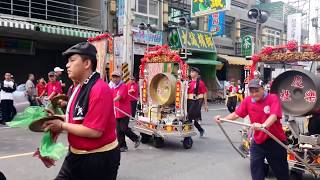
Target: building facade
[[131, 42], [34, 33]]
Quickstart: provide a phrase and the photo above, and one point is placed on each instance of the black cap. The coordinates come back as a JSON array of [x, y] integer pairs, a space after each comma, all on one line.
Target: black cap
[[255, 83], [83, 48], [195, 69], [51, 73]]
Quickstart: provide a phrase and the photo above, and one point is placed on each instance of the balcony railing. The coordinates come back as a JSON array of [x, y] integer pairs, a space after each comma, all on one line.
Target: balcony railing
[[52, 11]]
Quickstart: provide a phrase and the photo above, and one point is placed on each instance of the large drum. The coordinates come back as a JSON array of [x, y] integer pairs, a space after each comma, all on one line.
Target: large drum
[[298, 92], [163, 88]]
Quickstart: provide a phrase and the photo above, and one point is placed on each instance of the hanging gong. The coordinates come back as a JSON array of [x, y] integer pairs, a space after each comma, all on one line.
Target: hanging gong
[[298, 92], [163, 88]]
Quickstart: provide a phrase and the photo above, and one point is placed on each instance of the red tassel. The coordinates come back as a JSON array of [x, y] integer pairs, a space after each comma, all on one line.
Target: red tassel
[[46, 161], [255, 58]]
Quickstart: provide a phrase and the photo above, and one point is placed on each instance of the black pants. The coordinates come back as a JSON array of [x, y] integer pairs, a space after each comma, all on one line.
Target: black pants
[[32, 101], [2, 177], [194, 112], [123, 130], [276, 156], [8, 110], [133, 108], [103, 165], [232, 103]]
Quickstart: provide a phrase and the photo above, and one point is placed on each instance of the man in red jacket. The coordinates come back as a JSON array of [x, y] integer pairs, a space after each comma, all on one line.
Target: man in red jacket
[[122, 103]]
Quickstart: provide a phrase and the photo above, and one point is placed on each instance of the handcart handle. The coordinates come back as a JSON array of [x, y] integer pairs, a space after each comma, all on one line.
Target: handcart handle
[[270, 135], [135, 119], [125, 113], [235, 122]]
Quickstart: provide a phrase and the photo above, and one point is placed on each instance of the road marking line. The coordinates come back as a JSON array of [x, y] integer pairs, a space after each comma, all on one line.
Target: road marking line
[[5, 127], [218, 109], [19, 155], [16, 155]]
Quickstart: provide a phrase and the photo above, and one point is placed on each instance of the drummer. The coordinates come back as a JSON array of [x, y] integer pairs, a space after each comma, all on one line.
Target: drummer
[[264, 111], [197, 95]]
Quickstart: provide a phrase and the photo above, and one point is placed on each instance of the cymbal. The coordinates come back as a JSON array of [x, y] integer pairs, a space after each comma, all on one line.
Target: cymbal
[[55, 100], [36, 126]]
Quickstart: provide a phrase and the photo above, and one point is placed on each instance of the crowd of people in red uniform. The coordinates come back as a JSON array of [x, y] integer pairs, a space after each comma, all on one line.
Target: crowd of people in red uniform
[[97, 118]]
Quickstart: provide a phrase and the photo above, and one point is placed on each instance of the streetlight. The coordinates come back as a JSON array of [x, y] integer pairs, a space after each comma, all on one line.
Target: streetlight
[[261, 17], [151, 27], [189, 25]]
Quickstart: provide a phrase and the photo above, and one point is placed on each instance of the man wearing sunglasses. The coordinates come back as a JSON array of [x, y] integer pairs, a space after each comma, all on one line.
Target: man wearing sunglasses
[[264, 111]]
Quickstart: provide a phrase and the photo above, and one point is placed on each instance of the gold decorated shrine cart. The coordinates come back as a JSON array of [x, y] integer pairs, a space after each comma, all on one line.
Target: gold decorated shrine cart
[[163, 98]]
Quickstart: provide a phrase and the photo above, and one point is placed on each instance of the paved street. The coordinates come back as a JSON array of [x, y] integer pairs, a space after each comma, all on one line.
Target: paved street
[[211, 157]]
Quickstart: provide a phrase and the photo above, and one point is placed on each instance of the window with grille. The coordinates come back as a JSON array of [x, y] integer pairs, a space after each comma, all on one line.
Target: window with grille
[[147, 11]]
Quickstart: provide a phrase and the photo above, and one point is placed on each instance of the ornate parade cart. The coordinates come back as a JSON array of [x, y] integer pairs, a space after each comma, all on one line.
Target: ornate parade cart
[[163, 97], [298, 91]]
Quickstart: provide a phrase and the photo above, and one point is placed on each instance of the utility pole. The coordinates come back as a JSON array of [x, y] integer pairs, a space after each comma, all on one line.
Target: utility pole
[[103, 14], [317, 26], [258, 47]]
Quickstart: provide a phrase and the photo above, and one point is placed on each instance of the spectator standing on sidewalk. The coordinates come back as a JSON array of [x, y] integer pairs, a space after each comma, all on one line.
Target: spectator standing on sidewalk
[[58, 72], [7, 88], [31, 90]]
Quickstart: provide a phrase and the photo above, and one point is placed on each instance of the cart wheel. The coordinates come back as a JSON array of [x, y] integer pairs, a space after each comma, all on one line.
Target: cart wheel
[[145, 138], [294, 175], [158, 142], [187, 142]]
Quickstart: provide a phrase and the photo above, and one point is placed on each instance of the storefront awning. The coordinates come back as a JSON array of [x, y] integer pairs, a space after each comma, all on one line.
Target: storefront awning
[[10, 23], [202, 61], [66, 31], [233, 60]]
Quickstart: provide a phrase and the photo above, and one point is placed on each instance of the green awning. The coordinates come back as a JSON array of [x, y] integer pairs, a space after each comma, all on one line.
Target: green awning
[[66, 31], [202, 61]]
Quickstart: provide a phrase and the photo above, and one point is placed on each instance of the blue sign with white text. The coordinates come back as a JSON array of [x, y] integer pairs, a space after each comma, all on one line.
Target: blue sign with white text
[[216, 23]]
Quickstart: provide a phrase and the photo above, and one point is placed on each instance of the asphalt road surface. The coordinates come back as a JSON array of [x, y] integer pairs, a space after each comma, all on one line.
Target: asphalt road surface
[[211, 157]]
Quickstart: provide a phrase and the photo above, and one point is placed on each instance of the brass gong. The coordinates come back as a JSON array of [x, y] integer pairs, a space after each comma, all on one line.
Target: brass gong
[[163, 88]]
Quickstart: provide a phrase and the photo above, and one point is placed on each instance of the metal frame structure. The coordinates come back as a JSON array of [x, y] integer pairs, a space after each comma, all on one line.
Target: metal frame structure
[[53, 10], [301, 165]]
